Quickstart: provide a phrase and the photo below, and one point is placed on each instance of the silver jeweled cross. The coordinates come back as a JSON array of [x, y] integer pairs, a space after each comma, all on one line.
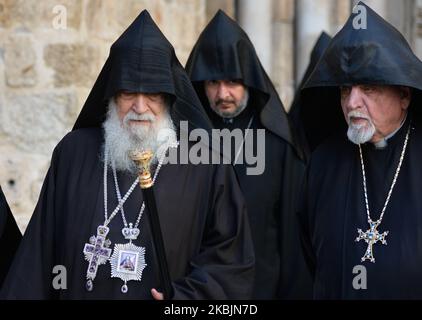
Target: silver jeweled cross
[[371, 237], [97, 253]]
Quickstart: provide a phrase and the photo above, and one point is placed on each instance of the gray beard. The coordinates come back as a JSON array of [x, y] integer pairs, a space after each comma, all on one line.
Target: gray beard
[[359, 134], [121, 138], [229, 115]]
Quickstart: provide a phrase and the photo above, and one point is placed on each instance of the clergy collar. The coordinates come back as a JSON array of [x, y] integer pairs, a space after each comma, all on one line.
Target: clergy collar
[[382, 144], [227, 120]]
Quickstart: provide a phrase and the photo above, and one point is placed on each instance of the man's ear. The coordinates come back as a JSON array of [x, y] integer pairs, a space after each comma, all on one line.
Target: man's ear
[[406, 96]]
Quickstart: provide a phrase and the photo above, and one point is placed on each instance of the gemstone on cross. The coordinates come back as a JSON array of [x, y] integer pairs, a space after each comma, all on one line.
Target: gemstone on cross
[[97, 252], [371, 237]]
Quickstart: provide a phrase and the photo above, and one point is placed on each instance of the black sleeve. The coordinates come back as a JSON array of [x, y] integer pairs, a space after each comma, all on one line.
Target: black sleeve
[[10, 237], [224, 267], [295, 280], [30, 274], [305, 231]]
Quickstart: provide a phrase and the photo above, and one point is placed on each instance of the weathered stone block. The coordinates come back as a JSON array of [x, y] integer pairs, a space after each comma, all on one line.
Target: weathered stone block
[[73, 64], [36, 122], [33, 14], [20, 61]]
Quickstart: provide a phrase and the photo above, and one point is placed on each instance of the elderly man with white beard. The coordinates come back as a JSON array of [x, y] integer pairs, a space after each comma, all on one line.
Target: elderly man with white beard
[[361, 209], [374, 113], [90, 218]]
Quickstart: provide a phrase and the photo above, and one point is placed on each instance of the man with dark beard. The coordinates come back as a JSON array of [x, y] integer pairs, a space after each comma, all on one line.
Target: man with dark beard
[[10, 237], [361, 211], [238, 95], [90, 216]]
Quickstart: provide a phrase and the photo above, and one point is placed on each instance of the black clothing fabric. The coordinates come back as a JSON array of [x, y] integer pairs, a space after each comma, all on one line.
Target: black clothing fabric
[[10, 237], [201, 208], [301, 110], [224, 52], [333, 203]]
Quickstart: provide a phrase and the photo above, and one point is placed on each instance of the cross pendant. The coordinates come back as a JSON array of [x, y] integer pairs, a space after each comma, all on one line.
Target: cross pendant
[[371, 237], [96, 253]]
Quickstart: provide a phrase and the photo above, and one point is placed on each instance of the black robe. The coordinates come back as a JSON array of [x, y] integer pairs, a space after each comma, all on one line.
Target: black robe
[[332, 206], [201, 208], [224, 51], [10, 237], [201, 212]]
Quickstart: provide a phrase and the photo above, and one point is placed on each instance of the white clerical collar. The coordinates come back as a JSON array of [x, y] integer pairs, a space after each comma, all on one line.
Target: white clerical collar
[[383, 142]]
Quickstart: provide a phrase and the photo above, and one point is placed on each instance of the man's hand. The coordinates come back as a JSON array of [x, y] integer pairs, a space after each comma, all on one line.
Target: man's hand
[[157, 295]]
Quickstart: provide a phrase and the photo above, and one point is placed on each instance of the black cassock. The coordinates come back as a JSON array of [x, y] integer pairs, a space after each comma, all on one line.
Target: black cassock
[[333, 203], [201, 212], [224, 51], [10, 237], [201, 208], [335, 209]]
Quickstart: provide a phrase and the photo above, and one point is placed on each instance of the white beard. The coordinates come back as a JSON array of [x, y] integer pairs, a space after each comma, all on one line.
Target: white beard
[[360, 133], [122, 138]]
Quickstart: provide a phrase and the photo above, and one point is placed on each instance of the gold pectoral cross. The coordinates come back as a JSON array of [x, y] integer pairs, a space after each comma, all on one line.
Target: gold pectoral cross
[[371, 237]]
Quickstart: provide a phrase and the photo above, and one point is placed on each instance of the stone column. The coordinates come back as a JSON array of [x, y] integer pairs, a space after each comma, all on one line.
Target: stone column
[[312, 17], [212, 6], [282, 73], [398, 13], [418, 28], [255, 17], [379, 6]]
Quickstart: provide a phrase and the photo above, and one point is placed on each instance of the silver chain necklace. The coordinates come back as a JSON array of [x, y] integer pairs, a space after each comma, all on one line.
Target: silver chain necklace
[[97, 251], [372, 235], [128, 260]]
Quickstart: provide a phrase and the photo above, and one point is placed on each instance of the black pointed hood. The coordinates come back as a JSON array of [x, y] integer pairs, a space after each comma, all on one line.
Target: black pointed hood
[[143, 60], [377, 55], [224, 51], [317, 52], [298, 111]]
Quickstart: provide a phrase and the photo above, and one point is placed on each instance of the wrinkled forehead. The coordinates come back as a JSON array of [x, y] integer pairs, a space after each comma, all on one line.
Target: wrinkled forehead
[[157, 96], [225, 81], [134, 93], [379, 88]]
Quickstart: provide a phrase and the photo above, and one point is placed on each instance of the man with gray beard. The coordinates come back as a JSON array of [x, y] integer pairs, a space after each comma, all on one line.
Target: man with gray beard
[[90, 218], [361, 209], [238, 95]]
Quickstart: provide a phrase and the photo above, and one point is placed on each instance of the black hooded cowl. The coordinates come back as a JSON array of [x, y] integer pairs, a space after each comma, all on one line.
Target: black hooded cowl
[[333, 202], [300, 114], [378, 55], [224, 52], [201, 208], [143, 60]]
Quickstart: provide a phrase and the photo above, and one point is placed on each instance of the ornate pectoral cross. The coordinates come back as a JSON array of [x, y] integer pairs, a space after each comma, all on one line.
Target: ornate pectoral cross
[[371, 237], [96, 253]]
